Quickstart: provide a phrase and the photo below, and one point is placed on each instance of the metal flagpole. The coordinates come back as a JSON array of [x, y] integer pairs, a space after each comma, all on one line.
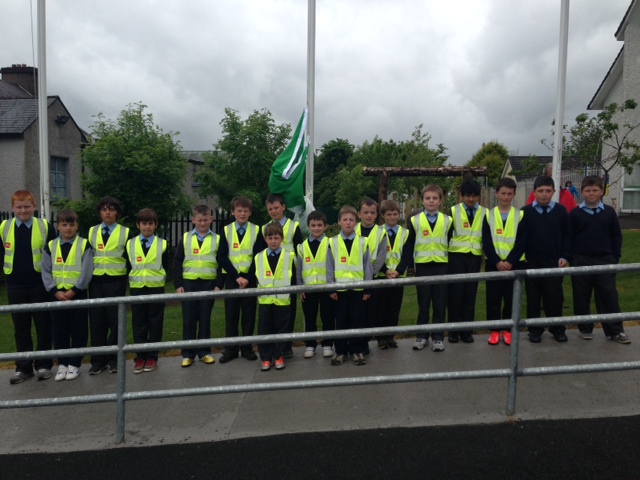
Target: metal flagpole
[[561, 89], [311, 93], [42, 113]]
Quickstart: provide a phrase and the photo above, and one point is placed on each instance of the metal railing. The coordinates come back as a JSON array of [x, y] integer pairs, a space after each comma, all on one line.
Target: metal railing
[[512, 372]]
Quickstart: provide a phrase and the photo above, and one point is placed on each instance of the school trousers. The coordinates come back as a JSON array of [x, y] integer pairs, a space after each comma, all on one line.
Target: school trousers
[[196, 317], [147, 321], [461, 297], [499, 296], [548, 291], [311, 305], [388, 313], [291, 324], [103, 320], [70, 329], [272, 320], [431, 294], [350, 312], [238, 312]]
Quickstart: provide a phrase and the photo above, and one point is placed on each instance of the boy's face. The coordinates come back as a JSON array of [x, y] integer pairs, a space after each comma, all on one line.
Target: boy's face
[[274, 241], [470, 200], [276, 210], [108, 214], [368, 214], [147, 227], [391, 217], [242, 214], [505, 196], [23, 209], [202, 223], [543, 194], [592, 195], [347, 223], [317, 228], [67, 230], [431, 201]]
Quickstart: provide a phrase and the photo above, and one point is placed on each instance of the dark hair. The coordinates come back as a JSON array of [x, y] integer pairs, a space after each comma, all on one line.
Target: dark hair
[[567, 183], [347, 209], [273, 228], [147, 215], [389, 206], [110, 202], [275, 198], [506, 182], [470, 187], [67, 216], [201, 210], [369, 202], [544, 181], [244, 202], [592, 181], [317, 215]]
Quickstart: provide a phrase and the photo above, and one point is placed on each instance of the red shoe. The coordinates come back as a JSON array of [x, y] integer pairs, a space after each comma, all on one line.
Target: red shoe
[[494, 338], [506, 337], [138, 367], [150, 365], [280, 363], [266, 365]]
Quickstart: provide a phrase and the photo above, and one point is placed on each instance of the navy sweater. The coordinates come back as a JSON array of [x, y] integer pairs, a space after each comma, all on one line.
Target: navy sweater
[[595, 235]]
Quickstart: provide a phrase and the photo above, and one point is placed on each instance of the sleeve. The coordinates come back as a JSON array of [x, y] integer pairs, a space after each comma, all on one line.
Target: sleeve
[[616, 236], [178, 260], [297, 236], [406, 257], [166, 259], [260, 243], [223, 258], [298, 268], [381, 256], [520, 244], [487, 243], [87, 270], [331, 268], [45, 272], [565, 239], [52, 234]]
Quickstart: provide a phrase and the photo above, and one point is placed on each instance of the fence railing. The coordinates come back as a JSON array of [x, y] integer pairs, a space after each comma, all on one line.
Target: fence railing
[[511, 372]]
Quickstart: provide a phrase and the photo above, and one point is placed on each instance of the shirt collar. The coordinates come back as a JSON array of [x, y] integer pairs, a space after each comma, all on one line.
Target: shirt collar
[[269, 251], [538, 208], [311, 239], [111, 227], [149, 240], [28, 223], [201, 237], [430, 216], [244, 225], [344, 237], [598, 207], [70, 242], [387, 228]]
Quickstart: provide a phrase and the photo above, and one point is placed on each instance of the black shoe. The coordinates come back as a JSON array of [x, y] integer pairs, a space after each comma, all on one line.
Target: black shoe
[[19, 377], [250, 355], [383, 344], [453, 338], [535, 338], [468, 339], [287, 354], [113, 368], [227, 357], [366, 350], [392, 343], [560, 337], [97, 369]]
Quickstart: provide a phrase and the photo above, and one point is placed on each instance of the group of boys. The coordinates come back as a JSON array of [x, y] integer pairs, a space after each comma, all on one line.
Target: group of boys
[[40, 266]]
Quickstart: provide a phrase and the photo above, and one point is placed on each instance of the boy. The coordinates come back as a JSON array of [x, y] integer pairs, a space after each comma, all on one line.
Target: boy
[[503, 242], [273, 268], [377, 243], [349, 261], [596, 239], [239, 243], [195, 269], [292, 238], [547, 225], [67, 266], [23, 240], [398, 258], [149, 259], [311, 269], [108, 240], [465, 256], [429, 234]]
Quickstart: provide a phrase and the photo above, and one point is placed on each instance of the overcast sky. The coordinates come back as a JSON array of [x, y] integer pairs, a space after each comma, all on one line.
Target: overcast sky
[[470, 71]]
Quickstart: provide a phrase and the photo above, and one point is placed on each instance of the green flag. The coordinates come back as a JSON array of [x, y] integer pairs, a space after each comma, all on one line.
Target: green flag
[[287, 172]]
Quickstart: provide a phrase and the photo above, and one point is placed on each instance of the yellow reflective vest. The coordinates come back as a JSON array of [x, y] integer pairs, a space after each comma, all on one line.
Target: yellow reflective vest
[[348, 267], [504, 235], [288, 230], [467, 238], [241, 253], [200, 261], [269, 279], [146, 270], [39, 232], [66, 273], [394, 254], [107, 256], [373, 240], [431, 245], [314, 269]]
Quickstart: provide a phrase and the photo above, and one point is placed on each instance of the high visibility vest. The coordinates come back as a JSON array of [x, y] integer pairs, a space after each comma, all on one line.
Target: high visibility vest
[[146, 271], [280, 278], [348, 267], [431, 244], [287, 231], [39, 232], [374, 239], [241, 253], [504, 236], [107, 257], [200, 261], [394, 253], [314, 269], [467, 237], [66, 273]]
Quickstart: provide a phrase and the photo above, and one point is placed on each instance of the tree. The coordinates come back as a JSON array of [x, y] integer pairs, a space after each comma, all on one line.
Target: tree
[[242, 159], [334, 155], [133, 160], [492, 155]]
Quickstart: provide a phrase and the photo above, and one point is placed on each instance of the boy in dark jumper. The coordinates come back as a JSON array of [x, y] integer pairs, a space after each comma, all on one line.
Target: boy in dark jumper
[[547, 246], [596, 239]]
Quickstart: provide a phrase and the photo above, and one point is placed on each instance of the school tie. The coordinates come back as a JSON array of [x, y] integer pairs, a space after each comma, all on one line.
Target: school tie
[[470, 215], [595, 210], [272, 254], [545, 209], [23, 226], [105, 234], [145, 247]]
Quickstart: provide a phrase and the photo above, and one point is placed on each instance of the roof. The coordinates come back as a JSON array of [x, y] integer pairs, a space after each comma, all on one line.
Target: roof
[[9, 90], [625, 21], [519, 163], [194, 156], [18, 114], [609, 81]]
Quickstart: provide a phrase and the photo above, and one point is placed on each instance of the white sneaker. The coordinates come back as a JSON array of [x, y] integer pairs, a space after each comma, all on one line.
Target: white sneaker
[[437, 346], [309, 352], [327, 352], [62, 373], [420, 343], [72, 373]]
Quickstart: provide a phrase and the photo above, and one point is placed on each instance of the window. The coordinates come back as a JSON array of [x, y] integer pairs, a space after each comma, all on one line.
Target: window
[[631, 193], [58, 177]]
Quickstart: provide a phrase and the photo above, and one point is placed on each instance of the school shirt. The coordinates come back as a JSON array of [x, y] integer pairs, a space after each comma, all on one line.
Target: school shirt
[[548, 234], [596, 234]]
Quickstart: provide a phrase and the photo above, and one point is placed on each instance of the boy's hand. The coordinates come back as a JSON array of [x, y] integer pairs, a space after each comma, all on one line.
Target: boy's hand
[[334, 296], [562, 263], [180, 290], [69, 294], [392, 274], [504, 266], [217, 289], [366, 296], [60, 296], [242, 282], [303, 296]]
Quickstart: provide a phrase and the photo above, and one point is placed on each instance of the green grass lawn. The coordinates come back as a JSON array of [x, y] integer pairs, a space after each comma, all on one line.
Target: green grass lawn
[[628, 287]]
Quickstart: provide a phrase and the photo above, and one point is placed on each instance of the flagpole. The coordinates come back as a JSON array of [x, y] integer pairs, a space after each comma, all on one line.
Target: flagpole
[[42, 113], [311, 92], [561, 89]]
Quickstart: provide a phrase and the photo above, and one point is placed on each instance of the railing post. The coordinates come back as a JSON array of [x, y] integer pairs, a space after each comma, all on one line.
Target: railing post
[[122, 363], [515, 344]]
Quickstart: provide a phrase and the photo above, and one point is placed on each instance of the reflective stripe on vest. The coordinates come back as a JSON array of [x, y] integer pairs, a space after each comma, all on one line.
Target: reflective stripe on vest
[[373, 240], [107, 257], [504, 236], [348, 267], [394, 254], [287, 231], [146, 271], [241, 253], [280, 278], [39, 232], [314, 269], [200, 261], [431, 245], [466, 238], [66, 273]]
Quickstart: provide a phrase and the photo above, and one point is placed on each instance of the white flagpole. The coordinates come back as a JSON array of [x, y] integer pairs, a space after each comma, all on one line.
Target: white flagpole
[[42, 113], [311, 93], [561, 89]]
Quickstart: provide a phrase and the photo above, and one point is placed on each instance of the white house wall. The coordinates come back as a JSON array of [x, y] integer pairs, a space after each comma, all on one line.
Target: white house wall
[[12, 165]]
